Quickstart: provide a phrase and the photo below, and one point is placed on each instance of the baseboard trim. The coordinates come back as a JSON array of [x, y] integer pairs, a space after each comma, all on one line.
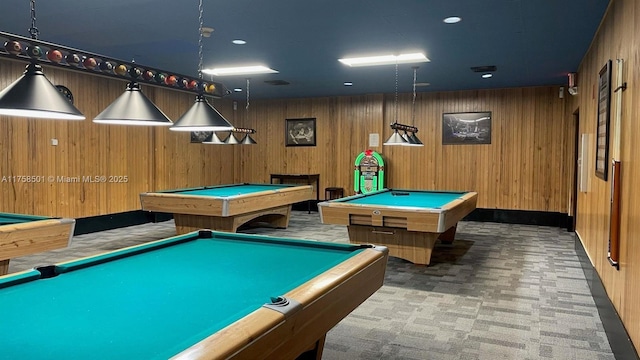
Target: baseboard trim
[[523, 217], [619, 340], [113, 221]]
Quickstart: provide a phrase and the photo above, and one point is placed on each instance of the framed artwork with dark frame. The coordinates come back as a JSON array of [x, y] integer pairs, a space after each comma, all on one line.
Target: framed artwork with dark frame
[[300, 132], [467, 128], [200, 136], [602, 133]]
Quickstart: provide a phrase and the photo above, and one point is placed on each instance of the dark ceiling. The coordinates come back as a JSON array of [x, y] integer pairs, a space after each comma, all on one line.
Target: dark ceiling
[[531, 42]]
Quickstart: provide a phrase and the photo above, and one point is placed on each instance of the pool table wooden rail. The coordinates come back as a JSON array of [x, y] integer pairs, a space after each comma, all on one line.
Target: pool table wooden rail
[[326, 300], [224, 206], [33, 237], [410, 218], [194, 212]]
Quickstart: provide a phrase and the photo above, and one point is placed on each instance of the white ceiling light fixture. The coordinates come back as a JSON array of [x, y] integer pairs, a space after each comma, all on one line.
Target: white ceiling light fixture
[[487, 75], [240, 70], [385, 60], [239, 42], [452, 20]]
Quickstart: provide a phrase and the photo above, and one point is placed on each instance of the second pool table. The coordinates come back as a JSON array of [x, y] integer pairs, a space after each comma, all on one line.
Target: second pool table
[[227, 207], [408, 222], [22, 235], [202, 295]]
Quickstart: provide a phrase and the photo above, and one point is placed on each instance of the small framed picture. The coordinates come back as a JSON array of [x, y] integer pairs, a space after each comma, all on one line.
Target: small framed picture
[[602, 135], [466, 128], [200, 136], [300, 132]]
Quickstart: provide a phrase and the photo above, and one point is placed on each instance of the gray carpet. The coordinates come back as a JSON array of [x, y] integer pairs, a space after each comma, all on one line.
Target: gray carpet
[[500, 291]]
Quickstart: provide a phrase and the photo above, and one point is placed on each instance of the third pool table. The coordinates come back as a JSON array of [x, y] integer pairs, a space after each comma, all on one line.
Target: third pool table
[[22, 235], [227, 207], [408, 222]]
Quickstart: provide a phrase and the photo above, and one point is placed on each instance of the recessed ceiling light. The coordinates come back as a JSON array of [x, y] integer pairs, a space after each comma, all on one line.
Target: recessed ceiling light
[[239, 42], [452, 19], [385, 59], [237, 89], [239, 70], [348, 83], [486, 76]]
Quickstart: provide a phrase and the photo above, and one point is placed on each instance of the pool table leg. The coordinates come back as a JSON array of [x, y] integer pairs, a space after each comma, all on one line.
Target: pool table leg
[[4, 267], [314, 353], [448, 236]]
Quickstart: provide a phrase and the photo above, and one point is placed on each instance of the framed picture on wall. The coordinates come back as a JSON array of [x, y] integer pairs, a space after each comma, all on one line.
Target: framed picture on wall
[[200, 136], [300, 132], [466, 128], [602, 129]]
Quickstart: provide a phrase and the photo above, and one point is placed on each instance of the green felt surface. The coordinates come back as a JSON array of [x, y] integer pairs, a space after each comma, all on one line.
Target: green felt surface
[[231, 190], [8, 218], [415, 198], [154, 304]]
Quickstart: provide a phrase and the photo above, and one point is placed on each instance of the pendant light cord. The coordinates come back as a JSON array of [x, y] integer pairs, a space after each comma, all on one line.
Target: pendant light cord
[[200, 55], [396, 98], [247, 106], [33, 30], [413, 104]]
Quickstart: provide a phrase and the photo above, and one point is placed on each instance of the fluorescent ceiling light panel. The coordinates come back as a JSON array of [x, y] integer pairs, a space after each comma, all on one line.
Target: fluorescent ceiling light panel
[[240, 70], [385, 60]]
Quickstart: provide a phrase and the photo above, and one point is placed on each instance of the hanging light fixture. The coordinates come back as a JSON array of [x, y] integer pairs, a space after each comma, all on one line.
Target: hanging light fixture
[[248, 140], [201, 116], [133, 108], [232, 140], [33, 95], [213, 139], [396, 138]]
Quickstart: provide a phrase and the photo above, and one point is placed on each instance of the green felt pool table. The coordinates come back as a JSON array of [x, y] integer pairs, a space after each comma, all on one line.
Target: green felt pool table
[[227, 207], [408, 222], [22, 235], [202, 295]]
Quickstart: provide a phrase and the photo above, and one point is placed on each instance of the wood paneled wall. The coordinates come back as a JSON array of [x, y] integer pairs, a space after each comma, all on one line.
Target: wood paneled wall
[[150, 158], [617, 38], [524, 168]]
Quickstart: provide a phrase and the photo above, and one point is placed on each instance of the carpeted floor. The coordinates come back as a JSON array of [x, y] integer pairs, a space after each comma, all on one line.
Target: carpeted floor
[[500, 291]]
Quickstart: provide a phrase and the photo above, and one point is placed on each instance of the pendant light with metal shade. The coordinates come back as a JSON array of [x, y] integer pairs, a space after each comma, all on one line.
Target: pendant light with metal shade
[[201, 116], [33, 95], [396, 138], [213, 139], [133, 108], [248, 140], [232, 140]]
